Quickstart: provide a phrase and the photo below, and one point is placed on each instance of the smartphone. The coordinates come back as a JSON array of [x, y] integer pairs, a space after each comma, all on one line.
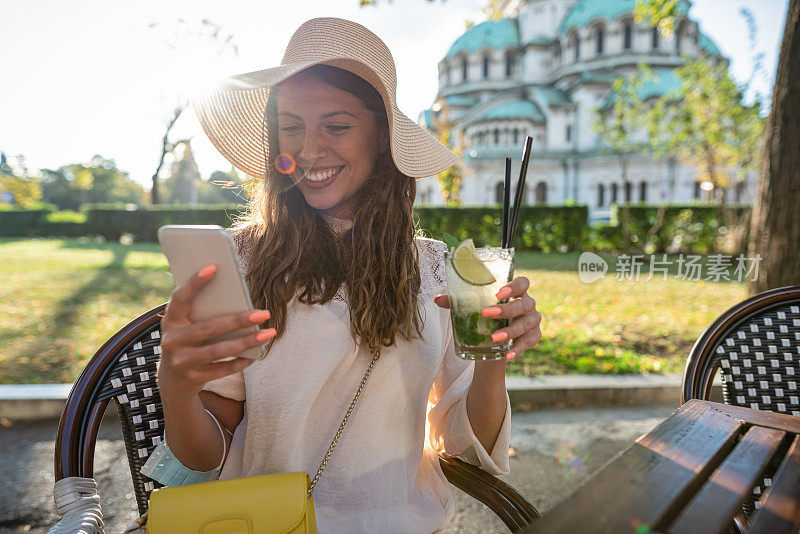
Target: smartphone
[[188, 249]]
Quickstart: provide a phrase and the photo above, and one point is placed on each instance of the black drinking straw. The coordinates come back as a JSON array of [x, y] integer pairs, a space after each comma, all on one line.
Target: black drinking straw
[[523, 172], [506, 193]]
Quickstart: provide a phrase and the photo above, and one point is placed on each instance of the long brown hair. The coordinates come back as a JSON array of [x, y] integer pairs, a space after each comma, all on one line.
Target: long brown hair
[[292, 248]]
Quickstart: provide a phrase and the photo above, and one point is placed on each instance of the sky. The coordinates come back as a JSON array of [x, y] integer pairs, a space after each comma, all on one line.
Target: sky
[[88, 77]]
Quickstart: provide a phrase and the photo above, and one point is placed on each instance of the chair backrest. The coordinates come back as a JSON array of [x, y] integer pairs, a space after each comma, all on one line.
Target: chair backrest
[[123, 370], [756, 347]]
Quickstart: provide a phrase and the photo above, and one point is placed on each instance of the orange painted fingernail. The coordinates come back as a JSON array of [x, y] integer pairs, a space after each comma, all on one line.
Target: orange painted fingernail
[[491, 312], [499, 336], [511, 355], [503, 293], [207, 271], [266, 334], [259, 316]]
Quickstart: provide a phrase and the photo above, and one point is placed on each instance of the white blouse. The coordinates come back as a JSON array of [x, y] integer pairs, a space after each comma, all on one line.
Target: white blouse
[[384, 475]]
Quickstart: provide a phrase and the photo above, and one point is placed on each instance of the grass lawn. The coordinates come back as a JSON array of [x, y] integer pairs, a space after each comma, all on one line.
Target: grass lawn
[[63, 298]]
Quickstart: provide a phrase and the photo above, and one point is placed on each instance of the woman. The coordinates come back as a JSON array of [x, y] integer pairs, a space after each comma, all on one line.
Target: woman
[[328, 245]]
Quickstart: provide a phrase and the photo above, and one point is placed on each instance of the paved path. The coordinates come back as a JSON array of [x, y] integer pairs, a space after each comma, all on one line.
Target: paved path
[[555, 451]]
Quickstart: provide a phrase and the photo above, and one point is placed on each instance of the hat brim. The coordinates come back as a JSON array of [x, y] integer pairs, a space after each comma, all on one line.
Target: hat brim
[[232, 115]]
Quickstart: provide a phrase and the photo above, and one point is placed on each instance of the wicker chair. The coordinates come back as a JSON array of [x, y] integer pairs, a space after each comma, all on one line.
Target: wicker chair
[[124, 370], [756, 347]]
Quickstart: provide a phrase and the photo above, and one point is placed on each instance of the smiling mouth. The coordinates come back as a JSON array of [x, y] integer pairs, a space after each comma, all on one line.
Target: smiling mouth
[[321, 174]]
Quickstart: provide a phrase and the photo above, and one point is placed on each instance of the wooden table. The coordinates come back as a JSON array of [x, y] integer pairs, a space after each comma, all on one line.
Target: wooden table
[[691, 474]]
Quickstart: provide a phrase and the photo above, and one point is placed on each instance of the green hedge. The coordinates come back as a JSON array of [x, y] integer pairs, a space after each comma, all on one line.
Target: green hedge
[[543, 228], [685, 228], [539, 228], [111, 221], [20, 222]]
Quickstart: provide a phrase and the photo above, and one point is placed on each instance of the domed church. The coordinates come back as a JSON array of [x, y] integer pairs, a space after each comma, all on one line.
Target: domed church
[[542, 71]]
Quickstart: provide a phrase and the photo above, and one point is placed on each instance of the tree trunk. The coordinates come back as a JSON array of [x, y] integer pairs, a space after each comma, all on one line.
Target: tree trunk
[[776, 209], [154, 191]]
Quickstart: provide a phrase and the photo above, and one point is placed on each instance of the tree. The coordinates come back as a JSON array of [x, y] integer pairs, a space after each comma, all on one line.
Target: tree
[[659, 13], [621, 122], [776, 214], [23, 190], [185, 185], [775, 220], [450, 179], [99, 181], [705, 124], [184, 38], [182, 185], [227, 188]]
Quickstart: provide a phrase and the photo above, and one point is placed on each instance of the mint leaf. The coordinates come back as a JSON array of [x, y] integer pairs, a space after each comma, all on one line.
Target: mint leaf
[[473, 319], [465, 329], [451, 241]]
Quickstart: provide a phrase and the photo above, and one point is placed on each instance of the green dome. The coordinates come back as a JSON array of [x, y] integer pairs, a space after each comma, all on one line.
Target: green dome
[[460, 100], [552, 96], [511, 109], [492, 33], [707, 45], [588, 10]]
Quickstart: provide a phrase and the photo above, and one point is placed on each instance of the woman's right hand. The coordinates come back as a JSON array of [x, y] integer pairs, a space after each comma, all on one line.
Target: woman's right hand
[[187, 365]]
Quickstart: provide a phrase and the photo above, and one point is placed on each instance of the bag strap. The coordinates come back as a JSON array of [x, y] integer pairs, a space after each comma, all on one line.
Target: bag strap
[[376, 355]]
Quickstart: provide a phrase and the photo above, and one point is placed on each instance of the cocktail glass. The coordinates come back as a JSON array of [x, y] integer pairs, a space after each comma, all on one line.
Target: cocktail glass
[[472, 332]]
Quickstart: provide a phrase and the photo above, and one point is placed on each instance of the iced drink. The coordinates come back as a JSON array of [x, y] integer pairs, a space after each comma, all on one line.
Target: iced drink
[[474, 277]]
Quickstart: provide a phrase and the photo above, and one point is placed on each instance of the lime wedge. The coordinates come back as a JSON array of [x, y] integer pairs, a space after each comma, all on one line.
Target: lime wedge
[[469, 267]]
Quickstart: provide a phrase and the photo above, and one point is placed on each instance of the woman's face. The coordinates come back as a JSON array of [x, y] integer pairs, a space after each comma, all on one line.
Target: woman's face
[[333, 138]]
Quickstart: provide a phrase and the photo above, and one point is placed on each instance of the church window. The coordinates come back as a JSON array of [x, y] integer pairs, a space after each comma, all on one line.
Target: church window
[[601, 195], [614, 193], [485, 67], [464, 69], [541, 193], [498, 192], [568, 133], [516, 135], [575, 43], [509, 64], [627, 32], [656, 38], [599, 36], [496, 136], [643, 191], [627, 192]]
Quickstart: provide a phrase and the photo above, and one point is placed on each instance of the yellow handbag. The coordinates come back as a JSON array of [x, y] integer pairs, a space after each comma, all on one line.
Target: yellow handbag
[[264, 504]]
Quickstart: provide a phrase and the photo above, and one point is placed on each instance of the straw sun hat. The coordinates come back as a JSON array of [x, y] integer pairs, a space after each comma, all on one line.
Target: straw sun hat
[[232, 114]]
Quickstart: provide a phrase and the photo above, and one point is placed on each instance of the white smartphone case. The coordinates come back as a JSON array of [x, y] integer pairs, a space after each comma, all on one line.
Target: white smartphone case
[[188, 249]]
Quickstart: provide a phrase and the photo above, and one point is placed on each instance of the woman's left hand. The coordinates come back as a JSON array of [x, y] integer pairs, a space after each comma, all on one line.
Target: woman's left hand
[[524, 329]]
